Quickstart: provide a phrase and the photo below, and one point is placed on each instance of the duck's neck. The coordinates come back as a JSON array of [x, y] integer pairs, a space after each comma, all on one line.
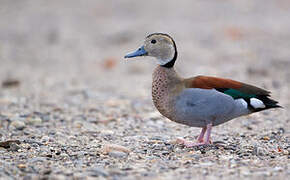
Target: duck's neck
[[165, 74], [170, 63]]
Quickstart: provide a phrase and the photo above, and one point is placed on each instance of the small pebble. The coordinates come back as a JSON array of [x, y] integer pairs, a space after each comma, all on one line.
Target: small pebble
[[285, 152], [113, 147], [266, 138], [78, 124], [259, 151], [18, 124], [33, 120], [117, 154], [14, 147], [8, 83], [45, 139], [21, 166], [2, 150]]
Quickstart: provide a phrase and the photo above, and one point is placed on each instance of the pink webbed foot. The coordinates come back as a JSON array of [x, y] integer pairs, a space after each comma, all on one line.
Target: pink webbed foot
[[200, 140]]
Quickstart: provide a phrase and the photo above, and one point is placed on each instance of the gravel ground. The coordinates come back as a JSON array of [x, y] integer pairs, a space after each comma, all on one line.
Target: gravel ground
[[72, 108]]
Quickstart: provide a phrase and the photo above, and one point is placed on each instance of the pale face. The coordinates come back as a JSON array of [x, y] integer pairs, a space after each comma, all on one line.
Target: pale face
[[161, 47], [157, 45]]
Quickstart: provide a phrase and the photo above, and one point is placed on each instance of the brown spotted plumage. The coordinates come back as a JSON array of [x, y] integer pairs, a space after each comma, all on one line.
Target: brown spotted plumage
[[165, 84]]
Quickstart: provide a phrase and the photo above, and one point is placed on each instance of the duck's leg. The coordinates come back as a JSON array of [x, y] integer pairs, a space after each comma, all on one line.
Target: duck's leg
[[201, 135], [205, 131], [208, 132]]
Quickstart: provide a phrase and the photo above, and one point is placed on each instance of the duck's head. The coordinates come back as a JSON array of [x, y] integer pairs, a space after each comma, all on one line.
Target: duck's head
[[158, 45]]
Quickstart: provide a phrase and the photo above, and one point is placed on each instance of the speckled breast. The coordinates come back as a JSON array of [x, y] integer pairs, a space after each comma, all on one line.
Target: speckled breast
[[161, 92]]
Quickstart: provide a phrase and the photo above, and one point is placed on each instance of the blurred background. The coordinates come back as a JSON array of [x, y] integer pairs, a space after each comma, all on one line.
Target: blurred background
[[65, 84], [53, 45]]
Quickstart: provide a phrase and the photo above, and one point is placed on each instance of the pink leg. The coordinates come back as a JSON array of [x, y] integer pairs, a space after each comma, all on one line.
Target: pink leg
[[206, 130], [200, 137]]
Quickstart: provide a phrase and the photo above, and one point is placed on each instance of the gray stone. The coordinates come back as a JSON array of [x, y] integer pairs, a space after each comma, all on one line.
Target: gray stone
[[14, 147], [118, 154], [33, 120], [18, 124], [259, 151]]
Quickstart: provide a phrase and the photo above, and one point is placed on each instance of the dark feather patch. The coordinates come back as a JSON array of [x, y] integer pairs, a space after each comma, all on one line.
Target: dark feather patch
[[269, 103]]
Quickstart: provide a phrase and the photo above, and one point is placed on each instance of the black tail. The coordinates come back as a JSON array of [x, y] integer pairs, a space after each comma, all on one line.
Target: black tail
[[269, 103]]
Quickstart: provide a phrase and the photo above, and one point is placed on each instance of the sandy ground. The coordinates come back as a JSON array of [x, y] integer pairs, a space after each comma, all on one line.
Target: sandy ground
[[72, 108]]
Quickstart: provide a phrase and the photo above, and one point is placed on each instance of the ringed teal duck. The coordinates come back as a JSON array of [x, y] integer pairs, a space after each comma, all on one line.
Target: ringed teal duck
[[200, 101]]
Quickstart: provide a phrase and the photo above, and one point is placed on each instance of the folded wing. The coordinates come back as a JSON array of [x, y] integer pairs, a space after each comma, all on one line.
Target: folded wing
[[256, 98]]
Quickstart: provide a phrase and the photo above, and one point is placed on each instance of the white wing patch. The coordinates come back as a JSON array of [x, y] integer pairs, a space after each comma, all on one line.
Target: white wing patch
[[257, 103], [243, 102]]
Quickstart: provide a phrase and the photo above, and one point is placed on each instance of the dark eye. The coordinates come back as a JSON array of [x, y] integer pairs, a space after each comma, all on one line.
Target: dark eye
[[153, 41]]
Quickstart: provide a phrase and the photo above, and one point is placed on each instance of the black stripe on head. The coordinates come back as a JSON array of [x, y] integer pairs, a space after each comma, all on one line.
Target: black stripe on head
[[170, 64]]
